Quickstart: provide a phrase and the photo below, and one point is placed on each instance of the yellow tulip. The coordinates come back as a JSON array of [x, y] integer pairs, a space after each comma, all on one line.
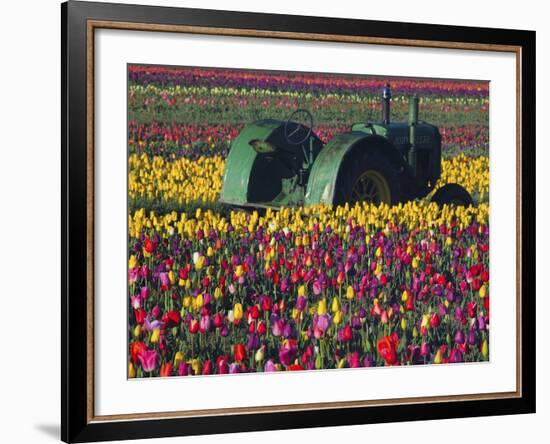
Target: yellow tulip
[[200, 263], [131, 370], [238, 311], [483, 291], [322, 307], [335, 306], [239, 270], [132, 262], [425, 320], [485, 348], [350, 294], [337, 318], [178, 357], [259, 355], [198, 302], [196, 366], [155, 336]]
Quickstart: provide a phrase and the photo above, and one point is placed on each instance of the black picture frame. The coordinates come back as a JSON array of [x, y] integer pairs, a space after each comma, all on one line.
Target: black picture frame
[[76, 423]]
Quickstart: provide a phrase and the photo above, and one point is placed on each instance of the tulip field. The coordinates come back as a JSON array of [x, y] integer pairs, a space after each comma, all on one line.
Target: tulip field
[[217, 290]]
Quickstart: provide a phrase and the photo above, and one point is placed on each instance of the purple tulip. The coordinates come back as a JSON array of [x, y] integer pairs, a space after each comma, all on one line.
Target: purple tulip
[[284, 285], [183, 369], [368, 360], [135, 301], [287, 353], [459, 337], [148, 360], [288, 331], [205, 323], [164, 280], [270, 366], [301, 303], [472, 336], [224, 331], [277, 327], [456, 356], [253, 342], [144, 293], [481, 323], [424, 350]]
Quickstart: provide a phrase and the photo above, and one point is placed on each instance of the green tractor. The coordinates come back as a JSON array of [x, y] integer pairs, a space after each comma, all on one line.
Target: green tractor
[[274, 163]]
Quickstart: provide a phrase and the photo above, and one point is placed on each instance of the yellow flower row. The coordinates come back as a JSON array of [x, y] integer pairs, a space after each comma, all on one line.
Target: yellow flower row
[[183, 180], [301, 221], [470, 172], [152, 90]]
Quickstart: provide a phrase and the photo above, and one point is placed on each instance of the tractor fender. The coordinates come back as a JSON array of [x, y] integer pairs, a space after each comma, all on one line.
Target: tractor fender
[[330, 163], [240, 161]]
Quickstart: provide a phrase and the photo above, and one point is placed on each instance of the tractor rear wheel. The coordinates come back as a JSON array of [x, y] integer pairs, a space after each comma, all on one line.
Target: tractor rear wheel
[[452, 194], [369, 178]]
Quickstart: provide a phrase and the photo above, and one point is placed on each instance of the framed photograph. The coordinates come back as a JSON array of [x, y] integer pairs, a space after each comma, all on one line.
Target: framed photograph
[[275, 221]]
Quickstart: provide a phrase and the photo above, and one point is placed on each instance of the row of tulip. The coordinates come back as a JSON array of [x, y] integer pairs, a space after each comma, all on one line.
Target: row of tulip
[[183, 181], [302, 82], [211, 105], [194, 140]]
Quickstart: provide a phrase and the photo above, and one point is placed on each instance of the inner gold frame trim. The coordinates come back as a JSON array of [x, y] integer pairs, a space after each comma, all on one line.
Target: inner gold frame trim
[[92, 25]]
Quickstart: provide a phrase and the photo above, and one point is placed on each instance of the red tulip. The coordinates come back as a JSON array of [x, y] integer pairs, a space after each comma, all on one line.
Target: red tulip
[[472, 309], [347, 333], [194, 326], [207, 367], [166, 369], [294, 367], [218, 320], [262, 329], [140, 314], [137, 348], [149, 245], [172, 318], [435, 321], [239, 352], [387, 348]]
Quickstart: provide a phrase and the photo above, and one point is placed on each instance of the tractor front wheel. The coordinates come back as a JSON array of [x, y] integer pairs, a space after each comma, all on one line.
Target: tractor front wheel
[[452, 194], [369, 178]]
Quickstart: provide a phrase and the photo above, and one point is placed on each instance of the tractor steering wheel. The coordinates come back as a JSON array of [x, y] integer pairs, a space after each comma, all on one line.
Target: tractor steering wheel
[[302, 124]]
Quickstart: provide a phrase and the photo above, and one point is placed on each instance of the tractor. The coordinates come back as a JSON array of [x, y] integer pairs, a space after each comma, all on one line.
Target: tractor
[[283, 163]]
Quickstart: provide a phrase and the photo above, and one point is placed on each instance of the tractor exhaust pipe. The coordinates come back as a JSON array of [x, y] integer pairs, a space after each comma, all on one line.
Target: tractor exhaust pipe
[[413, 121], [386, 96]]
